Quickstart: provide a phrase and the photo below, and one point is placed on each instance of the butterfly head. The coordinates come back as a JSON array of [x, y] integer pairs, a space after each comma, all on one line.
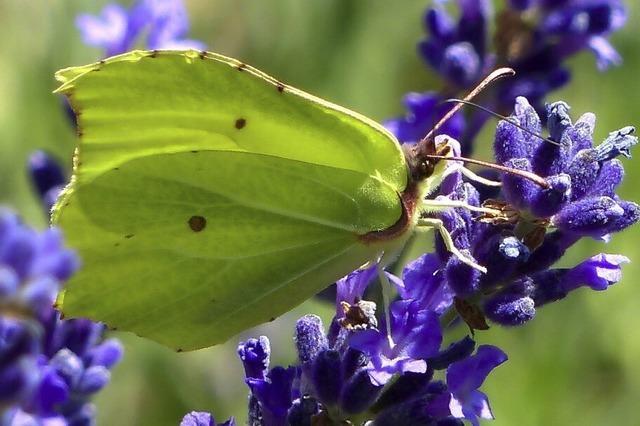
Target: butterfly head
[[427, 160]]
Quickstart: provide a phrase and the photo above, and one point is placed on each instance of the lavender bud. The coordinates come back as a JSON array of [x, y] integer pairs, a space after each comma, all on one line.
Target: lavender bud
[[327, 376], [358, 393], [310, 339]]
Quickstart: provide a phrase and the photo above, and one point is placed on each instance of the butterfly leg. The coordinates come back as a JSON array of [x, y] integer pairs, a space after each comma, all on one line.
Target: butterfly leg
[[438, 225], [434, 205], [386, 301]]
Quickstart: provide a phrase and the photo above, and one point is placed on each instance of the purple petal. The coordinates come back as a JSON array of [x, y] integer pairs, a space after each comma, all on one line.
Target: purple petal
[[21, 418], [198, 418], [606, 55], [469, 374], [461, 63], [380, 376], [476, 405], [45, 172], [439, 23], [456, 351], [94, 379], [351, 288], [9, 282], [368, 341], [423, 111], [40, 293], [597, 272], [274, 393], [424, 339], [68, 365], [108, 30], [423, 281], [52, 390], [480, 404], [107, 354]]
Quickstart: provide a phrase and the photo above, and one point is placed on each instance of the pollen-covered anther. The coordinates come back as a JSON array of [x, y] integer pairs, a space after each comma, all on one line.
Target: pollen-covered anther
[[501, 213], [359, 316]]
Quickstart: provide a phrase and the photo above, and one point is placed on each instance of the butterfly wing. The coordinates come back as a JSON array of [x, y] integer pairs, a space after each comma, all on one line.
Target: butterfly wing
[[194, 226]]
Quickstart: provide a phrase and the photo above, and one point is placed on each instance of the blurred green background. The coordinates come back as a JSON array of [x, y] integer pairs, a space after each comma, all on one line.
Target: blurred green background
[[576, 364]]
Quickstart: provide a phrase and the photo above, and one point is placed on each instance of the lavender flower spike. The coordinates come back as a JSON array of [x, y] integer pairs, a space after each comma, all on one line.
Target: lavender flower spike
[[165, 23], [49, 368]]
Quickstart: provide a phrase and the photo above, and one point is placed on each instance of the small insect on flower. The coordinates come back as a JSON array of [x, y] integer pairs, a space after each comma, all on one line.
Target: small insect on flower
[[299, 194]]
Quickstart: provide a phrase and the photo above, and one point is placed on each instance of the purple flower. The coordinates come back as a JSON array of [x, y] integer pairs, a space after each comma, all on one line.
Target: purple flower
[[424, 281], [47, 177], [116, 30], [351, 288], [465, 377], [597, 272], [561, 29], [200, 418], [49, 367], [582, 178], [458, 51], [254, 354], [33, 265], [423, 112], [535, 38], [272, 391], [415, 336], [107, 31]]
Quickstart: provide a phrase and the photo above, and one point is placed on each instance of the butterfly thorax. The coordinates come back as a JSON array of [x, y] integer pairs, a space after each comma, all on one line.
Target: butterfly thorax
[[424, 176]]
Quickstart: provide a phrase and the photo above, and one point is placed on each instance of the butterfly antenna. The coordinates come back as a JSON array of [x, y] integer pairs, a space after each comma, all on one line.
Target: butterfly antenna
[[500, 116], [538, 180], [495, 75]]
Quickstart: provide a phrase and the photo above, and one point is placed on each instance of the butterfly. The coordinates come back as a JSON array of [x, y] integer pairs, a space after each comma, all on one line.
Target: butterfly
[[208, 197]]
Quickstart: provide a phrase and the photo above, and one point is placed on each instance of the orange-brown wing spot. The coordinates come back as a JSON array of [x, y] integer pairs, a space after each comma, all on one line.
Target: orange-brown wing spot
[[197, 223], [280, 87], [241, 67], [240, 123]]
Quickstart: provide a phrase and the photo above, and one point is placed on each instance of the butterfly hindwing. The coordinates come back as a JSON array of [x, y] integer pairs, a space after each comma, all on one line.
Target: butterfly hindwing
[[205, 200]]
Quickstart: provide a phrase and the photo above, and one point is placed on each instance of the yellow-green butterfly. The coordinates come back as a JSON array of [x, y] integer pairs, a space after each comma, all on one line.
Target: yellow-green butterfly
[[208, 197]]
